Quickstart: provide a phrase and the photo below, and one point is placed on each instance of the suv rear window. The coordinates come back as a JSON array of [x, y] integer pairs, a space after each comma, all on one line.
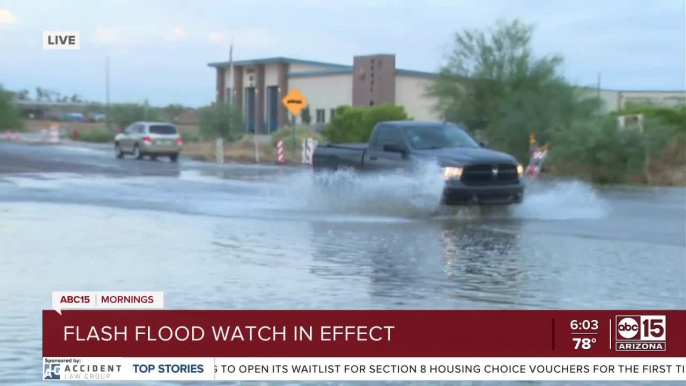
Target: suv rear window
[[162, 129]]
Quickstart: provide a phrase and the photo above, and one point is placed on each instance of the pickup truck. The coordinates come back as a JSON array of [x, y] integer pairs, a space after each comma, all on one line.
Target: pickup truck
[[473, 174]]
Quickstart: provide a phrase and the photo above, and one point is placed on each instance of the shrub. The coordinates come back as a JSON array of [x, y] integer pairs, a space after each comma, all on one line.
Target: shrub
[[670, 118], [190, 138], [125, 114], [101, 136], [603, 152], [355, 124], [9, 117], [221, 120], [286, 133]]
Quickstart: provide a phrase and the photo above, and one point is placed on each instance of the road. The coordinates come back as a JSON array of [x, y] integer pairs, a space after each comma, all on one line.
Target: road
[[264, 237]]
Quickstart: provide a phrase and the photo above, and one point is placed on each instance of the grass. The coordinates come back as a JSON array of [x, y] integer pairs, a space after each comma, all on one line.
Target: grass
[[242, 151], [99, 136]]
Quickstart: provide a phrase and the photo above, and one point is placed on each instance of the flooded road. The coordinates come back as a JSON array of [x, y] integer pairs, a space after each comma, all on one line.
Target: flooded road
[[263, 237]]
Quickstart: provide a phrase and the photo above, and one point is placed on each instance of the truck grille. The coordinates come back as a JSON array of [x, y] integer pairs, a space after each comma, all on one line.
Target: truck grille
[[489, 174]]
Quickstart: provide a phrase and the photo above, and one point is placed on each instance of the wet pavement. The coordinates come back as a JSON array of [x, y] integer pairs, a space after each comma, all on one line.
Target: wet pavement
[[264, 237]]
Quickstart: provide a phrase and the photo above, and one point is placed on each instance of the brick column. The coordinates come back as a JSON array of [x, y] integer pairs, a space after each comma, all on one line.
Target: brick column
[[220, 85], [282, 112], [260, 93], [238, 86], [373, 80]]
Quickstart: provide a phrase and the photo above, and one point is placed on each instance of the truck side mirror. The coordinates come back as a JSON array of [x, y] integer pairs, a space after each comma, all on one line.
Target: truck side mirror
[[483, 144]]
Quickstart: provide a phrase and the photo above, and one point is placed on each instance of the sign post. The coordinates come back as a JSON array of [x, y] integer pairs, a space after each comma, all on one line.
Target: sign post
[[295, 102]]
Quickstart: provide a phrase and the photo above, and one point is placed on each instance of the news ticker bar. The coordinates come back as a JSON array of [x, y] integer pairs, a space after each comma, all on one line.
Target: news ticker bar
[[364, 369], [382, 334]]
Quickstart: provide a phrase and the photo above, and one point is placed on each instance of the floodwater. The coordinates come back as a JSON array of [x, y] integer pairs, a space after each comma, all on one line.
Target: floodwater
[[262, 237]]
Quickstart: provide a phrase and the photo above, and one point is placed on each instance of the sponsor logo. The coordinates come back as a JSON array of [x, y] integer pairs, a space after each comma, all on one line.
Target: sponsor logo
[[641, 333], [51, 371]]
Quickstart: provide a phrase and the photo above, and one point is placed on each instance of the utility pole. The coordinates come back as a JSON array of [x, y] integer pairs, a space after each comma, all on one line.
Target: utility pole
[[107, 92], [598, 84], [233, 91]]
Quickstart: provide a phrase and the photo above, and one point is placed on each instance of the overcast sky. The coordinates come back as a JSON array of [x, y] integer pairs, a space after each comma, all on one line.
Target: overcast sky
[[159, 50]]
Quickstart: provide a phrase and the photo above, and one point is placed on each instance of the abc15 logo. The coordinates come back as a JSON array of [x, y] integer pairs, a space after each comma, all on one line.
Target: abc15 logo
[[641, 328]]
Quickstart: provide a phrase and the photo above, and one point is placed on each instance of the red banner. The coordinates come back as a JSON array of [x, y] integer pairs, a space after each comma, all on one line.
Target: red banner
[[168, 333]]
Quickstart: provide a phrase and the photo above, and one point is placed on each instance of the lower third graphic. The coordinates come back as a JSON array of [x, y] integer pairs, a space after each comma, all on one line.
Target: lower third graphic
[[641, 333]]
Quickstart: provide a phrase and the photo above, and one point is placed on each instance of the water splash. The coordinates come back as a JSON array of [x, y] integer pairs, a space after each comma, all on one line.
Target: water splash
[[560, 200], [402, 193], [418, 194]]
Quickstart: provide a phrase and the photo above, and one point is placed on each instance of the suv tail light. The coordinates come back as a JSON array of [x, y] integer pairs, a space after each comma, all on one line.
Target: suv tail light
[[146, 139], [179, 141]]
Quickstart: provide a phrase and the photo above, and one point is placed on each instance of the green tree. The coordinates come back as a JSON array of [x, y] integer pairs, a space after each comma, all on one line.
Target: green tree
[[221, 120], [9, 116], [127, 113], [305, 115], [355, 124], [172, 111], [23, 95], [492, 83]]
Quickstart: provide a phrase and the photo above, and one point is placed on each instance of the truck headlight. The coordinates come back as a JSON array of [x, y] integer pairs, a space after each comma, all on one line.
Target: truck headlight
[[520, 170], [452, 173]]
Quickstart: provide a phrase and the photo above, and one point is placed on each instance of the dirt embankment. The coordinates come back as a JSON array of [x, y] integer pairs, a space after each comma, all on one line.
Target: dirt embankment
[[669, 169]]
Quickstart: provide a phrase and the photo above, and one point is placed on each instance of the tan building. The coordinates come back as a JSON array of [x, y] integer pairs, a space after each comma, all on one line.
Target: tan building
[[259, 85], [614, 100]]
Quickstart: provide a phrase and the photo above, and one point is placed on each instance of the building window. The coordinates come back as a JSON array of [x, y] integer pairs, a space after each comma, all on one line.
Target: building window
[[321, 115], [332, 114]]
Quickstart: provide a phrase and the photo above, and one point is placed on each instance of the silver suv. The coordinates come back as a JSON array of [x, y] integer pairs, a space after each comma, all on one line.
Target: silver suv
[[149, 138]]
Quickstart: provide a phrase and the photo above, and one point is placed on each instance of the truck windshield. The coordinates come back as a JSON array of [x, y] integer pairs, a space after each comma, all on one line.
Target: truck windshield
[[438, 137]]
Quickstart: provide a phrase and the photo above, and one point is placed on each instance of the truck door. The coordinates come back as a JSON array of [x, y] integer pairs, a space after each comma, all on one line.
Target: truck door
[[388, 150]]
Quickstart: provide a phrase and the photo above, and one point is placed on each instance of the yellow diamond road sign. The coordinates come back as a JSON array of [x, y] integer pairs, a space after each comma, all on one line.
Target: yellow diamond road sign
[[295, 101]]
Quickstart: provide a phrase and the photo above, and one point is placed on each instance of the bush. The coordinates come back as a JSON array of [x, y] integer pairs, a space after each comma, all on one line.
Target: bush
[[355, 124], [603, 153], [494, 83], [125, 114], [100, 136], [674, 119], [286, 133], [190, 138], [9, 117], [221, 120]]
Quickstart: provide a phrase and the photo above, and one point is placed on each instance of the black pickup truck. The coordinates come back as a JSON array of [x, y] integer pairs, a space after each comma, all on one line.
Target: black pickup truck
[[473, 174]]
